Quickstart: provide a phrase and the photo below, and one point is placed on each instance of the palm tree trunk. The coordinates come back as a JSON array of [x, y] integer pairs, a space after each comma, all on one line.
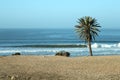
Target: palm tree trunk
[[90, 49]]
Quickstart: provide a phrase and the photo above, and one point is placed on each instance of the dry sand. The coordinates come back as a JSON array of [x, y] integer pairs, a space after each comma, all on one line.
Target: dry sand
[[59, 68]]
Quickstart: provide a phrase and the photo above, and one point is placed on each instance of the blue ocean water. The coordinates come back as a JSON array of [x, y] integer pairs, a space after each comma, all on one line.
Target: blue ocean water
[[11, 40]]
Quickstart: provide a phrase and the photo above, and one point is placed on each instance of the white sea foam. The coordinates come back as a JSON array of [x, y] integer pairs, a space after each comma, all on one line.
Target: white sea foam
[[118, 45], [95, 45], [98, 45]]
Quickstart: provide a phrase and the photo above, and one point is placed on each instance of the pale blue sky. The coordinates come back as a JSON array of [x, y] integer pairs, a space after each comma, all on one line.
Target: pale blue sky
[[57, 13]]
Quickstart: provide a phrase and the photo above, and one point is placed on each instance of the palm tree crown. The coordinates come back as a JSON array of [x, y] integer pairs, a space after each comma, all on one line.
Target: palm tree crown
[[87, 28]]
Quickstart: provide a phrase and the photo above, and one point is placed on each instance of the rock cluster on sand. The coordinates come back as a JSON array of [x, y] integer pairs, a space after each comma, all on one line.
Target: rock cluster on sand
[[16, 54], [62, 53]]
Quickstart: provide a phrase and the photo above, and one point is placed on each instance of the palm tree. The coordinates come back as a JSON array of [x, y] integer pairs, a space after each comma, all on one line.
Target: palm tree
[[87, 30]]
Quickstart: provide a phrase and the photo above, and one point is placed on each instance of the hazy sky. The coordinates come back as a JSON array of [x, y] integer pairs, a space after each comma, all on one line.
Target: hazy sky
[[57, 13]]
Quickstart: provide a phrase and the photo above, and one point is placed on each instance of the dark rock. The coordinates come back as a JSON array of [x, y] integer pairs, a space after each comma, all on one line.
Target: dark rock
[[62, 53], [16, 54]]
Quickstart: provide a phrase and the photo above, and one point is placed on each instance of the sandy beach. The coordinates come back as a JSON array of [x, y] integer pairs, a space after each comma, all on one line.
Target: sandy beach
[[59, 68]]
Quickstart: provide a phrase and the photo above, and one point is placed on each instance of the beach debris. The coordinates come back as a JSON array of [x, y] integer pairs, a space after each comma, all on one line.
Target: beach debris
[[62, 53], [16, 54], [13, 78]]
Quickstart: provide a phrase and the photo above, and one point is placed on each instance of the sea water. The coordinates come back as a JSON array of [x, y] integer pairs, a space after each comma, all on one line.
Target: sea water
[[15, 40]]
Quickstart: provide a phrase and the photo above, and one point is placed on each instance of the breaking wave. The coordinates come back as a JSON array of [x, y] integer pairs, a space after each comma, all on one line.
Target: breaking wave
[[98, 49], [99, 45]]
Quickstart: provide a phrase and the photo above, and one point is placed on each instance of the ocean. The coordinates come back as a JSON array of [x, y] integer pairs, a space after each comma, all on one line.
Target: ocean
[[35, 41]]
